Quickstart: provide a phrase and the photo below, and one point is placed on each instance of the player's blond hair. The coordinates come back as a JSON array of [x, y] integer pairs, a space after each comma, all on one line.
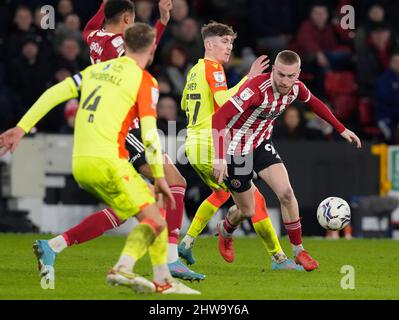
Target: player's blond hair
[[216, 29], [288, 57], [139, 37]]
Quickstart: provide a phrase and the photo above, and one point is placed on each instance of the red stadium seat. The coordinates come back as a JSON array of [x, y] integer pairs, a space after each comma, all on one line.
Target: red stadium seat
[[366, 112], [342, 82], [366, 118], [344, 106], [341, 91]]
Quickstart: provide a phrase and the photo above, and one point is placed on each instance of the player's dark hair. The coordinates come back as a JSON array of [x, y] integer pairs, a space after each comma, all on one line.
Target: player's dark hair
[[139, 37], [288, 57], [216, 29], [114, 9]]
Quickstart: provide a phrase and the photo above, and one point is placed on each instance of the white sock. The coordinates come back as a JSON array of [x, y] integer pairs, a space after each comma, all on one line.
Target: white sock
[[188, 241], [126, 263], [172, 252], [58, 243], [161, 273], [297, 249]]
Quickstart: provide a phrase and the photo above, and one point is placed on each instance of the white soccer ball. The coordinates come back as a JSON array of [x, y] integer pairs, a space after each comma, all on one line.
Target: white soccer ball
[[334, 213]]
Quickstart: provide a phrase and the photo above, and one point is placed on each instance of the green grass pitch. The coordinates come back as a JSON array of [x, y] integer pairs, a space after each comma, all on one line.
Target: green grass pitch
[[80, 271]]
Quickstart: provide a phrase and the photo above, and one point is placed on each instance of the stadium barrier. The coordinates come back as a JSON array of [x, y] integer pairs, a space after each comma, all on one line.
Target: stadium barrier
[[37, 178]]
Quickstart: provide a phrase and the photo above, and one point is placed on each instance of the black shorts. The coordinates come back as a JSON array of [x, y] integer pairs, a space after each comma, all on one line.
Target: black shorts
[[241, 169], [136, 149]]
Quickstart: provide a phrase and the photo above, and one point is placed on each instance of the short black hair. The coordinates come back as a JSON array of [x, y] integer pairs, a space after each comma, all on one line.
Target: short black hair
[[113, 9]]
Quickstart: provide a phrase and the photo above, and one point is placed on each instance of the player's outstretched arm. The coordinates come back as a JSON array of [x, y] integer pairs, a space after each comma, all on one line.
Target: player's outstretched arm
[[165, 6], [52, 97], [95, 23], [10, 139]]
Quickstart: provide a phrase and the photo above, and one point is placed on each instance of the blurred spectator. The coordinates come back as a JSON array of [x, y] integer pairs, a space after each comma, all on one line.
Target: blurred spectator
[[272, 34], [70, 28], [177, 69], [373, 59], [165, 87], [69, 56], [178, 14], [5, 22], [144, 11], [167, 111], [64, 8], [188, 37], [9, 102], [316, 43], [61, 74], [29, 73], [375, 16], [386, 100], [23, 28], [293, 126]]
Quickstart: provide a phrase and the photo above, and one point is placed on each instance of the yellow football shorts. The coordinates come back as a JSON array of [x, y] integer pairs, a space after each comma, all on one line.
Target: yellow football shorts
[[200, 156], [115, 182]]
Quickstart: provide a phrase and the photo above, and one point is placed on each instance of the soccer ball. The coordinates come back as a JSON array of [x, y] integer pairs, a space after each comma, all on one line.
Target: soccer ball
[[333, 213]]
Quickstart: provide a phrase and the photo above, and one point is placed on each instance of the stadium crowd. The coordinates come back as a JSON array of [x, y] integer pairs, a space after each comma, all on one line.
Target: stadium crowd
[[355, 71]]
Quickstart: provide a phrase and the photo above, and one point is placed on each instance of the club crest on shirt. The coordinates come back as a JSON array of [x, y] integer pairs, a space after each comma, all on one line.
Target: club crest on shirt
[[290, 99], [219, 76], [235, 183], [246, 94]]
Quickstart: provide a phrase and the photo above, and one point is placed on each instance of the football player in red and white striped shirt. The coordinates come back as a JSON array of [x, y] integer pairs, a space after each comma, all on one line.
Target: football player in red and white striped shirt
[[242, 139]]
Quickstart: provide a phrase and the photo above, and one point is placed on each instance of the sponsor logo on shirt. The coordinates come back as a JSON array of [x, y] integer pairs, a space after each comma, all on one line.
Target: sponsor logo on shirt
[[238, 101], [219, 76], [270, 115], [154, 97], [116, 42], [246, 94]]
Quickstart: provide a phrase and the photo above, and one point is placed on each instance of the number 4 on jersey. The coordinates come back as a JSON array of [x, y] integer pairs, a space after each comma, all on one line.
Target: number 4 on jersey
[[92, 106]]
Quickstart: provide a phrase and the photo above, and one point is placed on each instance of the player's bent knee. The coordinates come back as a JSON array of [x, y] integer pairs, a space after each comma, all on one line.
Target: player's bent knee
[[286, 195]]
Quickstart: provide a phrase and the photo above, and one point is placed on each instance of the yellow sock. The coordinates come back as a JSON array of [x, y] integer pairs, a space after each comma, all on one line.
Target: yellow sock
[[159, 249], [138, 241], [204, 213], [264, 229]]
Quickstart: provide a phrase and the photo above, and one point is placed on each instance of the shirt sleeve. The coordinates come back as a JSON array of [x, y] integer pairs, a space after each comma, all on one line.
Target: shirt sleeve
[[215, 77], [147, 100], [52, 97], [95, 23], [304, 93], [160, 29]]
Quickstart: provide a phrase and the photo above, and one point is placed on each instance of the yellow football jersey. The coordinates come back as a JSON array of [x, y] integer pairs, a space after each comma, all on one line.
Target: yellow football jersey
[[203, 81]]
